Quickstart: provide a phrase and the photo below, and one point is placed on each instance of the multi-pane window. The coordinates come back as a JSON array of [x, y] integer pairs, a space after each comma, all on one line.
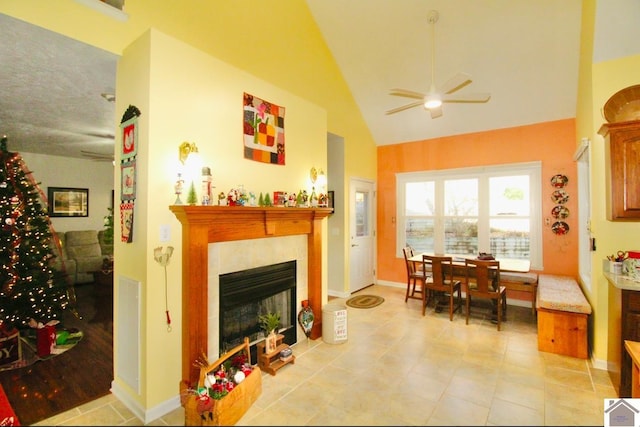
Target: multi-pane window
[[466, 211]]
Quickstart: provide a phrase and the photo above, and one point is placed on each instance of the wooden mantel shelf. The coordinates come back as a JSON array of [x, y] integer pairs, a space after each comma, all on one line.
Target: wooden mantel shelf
[[202, 225]]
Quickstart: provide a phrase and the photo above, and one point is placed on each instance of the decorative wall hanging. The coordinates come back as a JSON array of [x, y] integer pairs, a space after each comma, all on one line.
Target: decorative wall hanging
[[129, 137], [560, 212], [128, 180], [560, 196], [126, 222], [559, 180], [560, 227], [128, 155], [263, 130]]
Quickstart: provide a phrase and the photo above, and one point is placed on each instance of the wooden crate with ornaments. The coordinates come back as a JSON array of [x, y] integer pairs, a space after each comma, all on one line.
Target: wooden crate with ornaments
[[225, 391]]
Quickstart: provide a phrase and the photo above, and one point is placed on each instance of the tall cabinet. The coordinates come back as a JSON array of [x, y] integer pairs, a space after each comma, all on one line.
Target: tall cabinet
[[622, 157]]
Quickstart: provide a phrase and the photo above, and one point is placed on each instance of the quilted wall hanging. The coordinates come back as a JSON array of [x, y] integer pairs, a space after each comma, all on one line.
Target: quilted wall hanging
[[263, 130]]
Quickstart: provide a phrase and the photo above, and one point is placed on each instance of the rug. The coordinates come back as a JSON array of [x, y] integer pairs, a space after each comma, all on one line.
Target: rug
[[365, 301], [66, 339], [7, 416]]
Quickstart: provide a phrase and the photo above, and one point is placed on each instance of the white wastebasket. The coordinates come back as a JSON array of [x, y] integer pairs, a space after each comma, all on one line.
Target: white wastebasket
[[334, 323]]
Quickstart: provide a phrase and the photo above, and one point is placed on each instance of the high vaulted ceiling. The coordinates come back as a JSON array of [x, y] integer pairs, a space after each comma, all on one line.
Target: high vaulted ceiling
[[524, 52]]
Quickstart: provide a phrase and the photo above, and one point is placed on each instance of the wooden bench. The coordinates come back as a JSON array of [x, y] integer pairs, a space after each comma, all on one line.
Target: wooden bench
[[525, 282], [562, 316]]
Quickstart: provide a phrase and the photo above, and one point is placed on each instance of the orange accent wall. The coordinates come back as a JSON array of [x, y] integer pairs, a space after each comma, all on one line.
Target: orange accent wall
[[552, 143]]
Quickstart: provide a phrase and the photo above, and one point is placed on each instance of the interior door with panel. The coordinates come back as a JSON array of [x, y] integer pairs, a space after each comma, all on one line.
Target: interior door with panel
[[362, 234]]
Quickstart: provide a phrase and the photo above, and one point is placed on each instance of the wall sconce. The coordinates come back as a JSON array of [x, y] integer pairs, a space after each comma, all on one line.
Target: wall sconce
[[319, 177], [185, 149]]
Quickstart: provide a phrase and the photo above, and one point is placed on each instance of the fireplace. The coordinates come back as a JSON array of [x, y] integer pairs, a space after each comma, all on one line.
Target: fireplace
[[204, 225], [246, 294]]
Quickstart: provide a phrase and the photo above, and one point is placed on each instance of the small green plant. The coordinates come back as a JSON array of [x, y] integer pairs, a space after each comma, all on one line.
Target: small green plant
[[108, 227], [269, 322]]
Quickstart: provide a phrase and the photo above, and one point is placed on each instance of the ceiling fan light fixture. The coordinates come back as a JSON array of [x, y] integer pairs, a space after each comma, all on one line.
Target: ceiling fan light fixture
[[432, 101]]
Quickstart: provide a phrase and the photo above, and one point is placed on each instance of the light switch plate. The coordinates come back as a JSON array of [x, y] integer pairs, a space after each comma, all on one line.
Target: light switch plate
[[165, 233]]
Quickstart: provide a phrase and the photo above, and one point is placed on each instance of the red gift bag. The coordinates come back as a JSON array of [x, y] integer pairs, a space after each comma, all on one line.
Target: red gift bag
[[46, 339]]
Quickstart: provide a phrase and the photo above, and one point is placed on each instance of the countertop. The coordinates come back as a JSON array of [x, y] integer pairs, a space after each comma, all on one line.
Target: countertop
[[622, 281]]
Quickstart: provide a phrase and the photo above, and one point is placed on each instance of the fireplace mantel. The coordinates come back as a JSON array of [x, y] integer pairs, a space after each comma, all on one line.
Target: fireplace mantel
[[202, 225]]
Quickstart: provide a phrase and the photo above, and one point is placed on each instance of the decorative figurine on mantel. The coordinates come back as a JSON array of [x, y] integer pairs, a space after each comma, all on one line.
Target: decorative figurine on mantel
[[178, 189]]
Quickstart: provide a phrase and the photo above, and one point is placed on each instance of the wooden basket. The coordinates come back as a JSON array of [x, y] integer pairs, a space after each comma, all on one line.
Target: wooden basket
[[229, 409]]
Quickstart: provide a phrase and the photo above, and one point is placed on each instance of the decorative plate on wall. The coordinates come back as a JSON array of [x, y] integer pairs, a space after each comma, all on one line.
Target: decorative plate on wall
[[560, 196], [560, 212], [560, 227], [559, 180]]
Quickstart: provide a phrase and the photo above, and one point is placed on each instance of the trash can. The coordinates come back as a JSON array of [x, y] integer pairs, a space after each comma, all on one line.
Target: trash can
[[334, 323]]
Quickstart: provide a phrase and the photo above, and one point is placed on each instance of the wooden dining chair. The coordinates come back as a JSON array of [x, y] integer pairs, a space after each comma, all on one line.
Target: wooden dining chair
[[483, 281], [415, 278], [441, 281]]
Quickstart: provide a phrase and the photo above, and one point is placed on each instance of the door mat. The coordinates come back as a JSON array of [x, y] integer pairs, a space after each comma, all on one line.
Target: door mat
[[365, 301]]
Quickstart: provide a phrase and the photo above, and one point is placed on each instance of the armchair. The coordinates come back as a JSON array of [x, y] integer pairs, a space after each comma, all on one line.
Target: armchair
[[84, 247]]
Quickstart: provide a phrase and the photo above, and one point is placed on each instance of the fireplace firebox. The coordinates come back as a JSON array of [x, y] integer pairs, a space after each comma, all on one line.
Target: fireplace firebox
[[246, 294]]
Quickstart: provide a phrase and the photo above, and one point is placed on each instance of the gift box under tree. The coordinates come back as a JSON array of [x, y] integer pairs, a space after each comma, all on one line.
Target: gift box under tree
[[10, 346]]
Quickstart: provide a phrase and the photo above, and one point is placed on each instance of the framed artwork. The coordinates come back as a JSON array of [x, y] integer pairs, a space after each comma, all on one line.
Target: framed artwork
[[128, 180], [129, 138], [68, 201], [262, 130]]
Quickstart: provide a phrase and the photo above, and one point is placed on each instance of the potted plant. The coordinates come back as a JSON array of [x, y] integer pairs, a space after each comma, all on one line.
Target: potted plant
[[269, 322]]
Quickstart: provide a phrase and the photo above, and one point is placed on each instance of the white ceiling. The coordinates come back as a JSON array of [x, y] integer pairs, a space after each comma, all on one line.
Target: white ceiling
[[51, 86], [523, 52]]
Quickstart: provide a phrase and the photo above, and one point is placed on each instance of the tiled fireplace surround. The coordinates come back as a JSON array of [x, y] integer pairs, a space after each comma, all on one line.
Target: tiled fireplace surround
[[221, 239]]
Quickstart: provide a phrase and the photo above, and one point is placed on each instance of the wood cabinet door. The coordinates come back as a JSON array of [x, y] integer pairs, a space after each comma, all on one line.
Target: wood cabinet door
[[622, 154]]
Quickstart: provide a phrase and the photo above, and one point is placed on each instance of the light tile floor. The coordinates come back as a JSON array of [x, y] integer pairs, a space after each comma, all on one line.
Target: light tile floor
[[400, 368]]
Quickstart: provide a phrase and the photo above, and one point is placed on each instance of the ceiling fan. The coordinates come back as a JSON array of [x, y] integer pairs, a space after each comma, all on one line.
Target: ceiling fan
[[98, 157], [433, 99]]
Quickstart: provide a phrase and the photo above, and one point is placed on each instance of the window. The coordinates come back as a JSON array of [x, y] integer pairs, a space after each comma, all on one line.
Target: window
[[493, 209]]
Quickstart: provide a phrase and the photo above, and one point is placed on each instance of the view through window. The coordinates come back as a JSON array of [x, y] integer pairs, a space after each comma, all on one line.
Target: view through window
[[466, 211]]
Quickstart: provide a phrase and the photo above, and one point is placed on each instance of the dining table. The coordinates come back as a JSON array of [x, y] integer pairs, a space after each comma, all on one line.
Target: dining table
[[506, 264], [511, 265]]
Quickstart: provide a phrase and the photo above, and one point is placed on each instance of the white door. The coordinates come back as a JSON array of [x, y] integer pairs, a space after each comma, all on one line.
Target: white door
[[362, 233]]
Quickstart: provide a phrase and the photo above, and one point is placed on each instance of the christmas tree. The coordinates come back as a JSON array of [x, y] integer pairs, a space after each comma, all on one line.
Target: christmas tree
[[29, 287]]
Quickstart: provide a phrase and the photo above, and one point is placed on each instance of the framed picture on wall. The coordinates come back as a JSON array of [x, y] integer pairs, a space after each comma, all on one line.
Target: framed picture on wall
[[64, 201]]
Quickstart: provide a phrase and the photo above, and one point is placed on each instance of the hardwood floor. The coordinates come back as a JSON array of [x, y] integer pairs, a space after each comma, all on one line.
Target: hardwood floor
[[79, 375]]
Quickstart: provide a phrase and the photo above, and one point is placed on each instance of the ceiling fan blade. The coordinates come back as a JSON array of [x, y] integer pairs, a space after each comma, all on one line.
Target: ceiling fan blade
[[435, 112], [467, 97], [455, 83], [97, 156], [404, 107], [407, 93]]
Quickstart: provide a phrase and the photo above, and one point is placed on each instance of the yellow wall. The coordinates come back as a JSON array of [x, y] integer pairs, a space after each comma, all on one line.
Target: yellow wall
[[608, 78], [172, 69]]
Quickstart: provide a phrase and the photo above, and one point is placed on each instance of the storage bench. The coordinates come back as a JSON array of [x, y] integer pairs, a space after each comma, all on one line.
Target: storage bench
[[563, 312], [525, 282]]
